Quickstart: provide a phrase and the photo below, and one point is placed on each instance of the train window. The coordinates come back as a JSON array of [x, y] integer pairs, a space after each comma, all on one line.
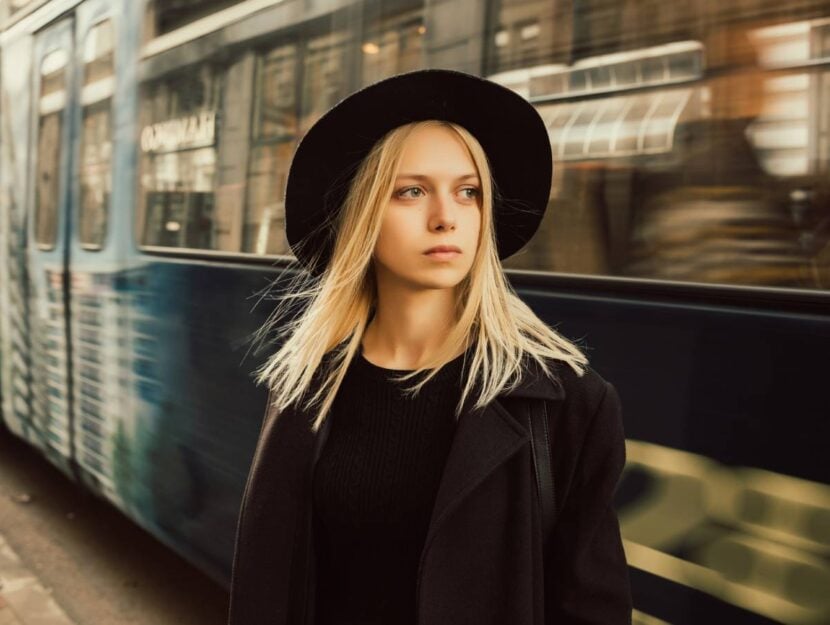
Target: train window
[[178, 121], [50, 125], [687, 147], [94, 169], [281, 117], [391, 44], [275, 137]]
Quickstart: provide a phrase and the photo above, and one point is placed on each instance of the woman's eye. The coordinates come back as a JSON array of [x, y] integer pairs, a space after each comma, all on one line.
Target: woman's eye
[[402, 192], [472, 192]]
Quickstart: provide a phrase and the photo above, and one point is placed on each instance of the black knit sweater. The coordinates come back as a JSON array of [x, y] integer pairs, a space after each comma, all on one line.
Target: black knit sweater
[[374, 488]]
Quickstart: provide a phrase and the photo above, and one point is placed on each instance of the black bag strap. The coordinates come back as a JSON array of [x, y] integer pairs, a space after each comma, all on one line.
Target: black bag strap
[[537, 417]]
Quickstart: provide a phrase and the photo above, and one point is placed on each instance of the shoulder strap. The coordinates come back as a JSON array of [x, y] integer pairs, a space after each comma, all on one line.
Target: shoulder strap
[[537, 417]]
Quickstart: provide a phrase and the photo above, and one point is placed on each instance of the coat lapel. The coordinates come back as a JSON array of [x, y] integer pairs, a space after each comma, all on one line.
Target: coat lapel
[[485, 439]]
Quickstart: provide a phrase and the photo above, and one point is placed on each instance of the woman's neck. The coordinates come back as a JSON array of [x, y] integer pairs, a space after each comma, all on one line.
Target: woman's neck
[[395, 348]]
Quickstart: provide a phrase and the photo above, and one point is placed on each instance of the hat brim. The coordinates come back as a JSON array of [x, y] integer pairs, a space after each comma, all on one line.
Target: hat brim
[[509, 129]]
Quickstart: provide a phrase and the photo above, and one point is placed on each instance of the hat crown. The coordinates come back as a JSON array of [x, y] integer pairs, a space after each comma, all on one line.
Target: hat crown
[[509, 129]]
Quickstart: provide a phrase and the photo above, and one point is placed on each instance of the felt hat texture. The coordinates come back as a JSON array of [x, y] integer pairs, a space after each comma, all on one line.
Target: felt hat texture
[[508, 127]]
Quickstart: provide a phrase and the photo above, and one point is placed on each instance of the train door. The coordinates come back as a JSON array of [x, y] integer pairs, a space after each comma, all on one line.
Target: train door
[[98, 282], [50, 420]]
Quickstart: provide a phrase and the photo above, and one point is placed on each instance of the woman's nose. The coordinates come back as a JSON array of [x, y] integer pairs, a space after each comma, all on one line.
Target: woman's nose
[[443, 211]]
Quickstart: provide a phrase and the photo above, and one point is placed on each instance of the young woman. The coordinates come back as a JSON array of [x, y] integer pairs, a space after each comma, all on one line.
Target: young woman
[[372, 499]]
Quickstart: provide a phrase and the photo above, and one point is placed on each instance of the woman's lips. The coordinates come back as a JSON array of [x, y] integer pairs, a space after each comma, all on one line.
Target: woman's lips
[[443, 255]]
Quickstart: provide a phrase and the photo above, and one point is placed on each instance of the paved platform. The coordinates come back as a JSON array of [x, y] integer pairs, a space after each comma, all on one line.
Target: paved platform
[[23, 599]]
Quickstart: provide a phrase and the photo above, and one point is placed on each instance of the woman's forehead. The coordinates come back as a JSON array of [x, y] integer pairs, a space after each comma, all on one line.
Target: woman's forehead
[[436, 155]]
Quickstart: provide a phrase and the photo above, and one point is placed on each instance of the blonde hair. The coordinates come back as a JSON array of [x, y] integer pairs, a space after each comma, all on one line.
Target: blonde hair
[[336, 306]]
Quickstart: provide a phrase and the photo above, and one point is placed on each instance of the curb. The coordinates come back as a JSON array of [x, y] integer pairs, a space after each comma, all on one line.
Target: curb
[[23, 599]]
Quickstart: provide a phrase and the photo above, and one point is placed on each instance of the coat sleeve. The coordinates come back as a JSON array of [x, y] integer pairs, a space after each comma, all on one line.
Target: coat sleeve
[[586, 574]]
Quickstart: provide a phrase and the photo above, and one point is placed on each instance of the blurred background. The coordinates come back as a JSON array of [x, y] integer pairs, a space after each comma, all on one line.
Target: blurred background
[[144, 148]]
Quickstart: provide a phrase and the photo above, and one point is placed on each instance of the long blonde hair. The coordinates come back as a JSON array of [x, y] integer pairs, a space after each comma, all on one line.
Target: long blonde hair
[[336, 306]]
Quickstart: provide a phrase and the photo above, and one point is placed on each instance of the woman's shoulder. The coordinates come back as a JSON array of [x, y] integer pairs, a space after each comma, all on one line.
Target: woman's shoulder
[[589, 399], [587, 386]]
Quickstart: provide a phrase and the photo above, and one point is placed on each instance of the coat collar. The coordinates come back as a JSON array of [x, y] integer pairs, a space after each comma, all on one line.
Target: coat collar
[[485, 439], [535, 384]]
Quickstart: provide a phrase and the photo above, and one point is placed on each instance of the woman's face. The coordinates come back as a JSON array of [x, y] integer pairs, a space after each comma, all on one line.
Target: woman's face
[[436, 201]]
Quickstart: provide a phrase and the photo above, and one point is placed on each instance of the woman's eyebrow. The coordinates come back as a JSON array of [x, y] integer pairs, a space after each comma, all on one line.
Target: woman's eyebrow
[[422, 177]]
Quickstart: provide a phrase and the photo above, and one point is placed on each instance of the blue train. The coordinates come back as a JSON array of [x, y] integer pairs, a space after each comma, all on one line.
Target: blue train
[[144, 146]]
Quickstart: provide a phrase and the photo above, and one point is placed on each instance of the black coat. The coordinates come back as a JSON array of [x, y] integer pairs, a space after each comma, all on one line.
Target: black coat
[[482, 562]]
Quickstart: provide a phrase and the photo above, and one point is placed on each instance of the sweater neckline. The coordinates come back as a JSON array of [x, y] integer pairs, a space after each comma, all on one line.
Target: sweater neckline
[[449, 370]]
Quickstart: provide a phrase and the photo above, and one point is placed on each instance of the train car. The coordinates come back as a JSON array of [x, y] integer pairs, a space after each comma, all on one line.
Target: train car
[[144, 147]]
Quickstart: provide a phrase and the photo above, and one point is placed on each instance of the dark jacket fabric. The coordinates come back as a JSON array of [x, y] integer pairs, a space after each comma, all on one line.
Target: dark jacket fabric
[[483, 561]]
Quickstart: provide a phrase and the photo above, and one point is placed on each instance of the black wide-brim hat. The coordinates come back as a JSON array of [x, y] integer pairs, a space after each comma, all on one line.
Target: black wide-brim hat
[[507, 126]]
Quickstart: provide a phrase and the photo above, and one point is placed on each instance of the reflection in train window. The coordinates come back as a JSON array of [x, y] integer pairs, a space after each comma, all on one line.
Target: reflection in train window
[[178, 117], [276, 104], [390, 45], [265, 220], [665, 120], [275, 137], [179, 219], [686, 147], [524, 33], [162, 16], [50, 124], [94, 169], [277, 128], [393, 45], [325, 76]]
